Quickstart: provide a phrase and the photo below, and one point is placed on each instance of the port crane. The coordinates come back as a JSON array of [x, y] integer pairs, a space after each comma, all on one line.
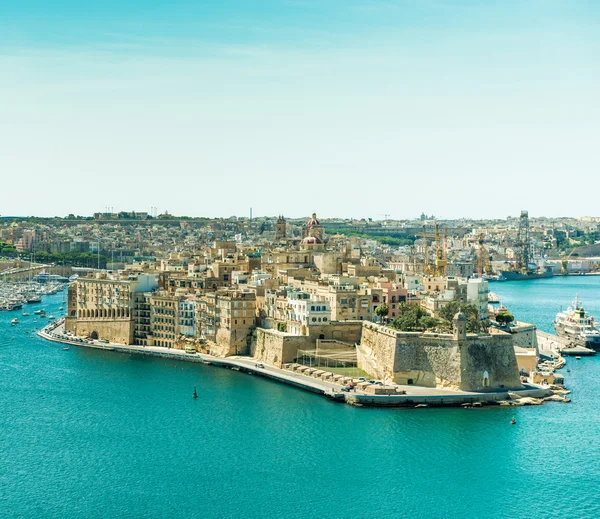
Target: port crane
[[483, 260], [441, 259]]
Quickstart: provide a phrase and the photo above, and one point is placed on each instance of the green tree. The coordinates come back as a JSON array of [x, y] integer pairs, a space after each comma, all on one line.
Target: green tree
[[474, 323], [382, 310], [412, 318], [505, 318]]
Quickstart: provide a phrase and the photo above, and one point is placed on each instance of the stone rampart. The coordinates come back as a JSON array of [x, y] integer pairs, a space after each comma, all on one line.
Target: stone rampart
[[277, 348], [476, 362], [119, 331]]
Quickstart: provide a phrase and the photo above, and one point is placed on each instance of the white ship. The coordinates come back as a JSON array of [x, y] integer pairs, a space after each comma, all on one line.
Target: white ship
[[575, 325]]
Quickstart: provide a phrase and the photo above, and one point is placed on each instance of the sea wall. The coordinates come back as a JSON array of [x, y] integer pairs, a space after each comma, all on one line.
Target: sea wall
[[119, 331], [230, 342], [277, 348]]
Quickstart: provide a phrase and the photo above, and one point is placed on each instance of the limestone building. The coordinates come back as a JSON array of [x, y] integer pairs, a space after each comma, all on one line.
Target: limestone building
[[102, 306]]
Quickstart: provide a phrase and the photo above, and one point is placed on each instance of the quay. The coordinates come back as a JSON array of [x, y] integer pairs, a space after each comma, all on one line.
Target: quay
[[413, 396], [551, 345]]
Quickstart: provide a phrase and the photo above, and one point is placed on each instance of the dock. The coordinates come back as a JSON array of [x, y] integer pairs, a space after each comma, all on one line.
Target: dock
[[551, 345]]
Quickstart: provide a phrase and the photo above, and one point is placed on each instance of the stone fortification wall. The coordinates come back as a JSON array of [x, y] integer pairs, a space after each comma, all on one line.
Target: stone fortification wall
[[477, 362], [492, 354], [276, 348], [376, 351], [119, 331], [230, 342], [344, 331], [525, 336]]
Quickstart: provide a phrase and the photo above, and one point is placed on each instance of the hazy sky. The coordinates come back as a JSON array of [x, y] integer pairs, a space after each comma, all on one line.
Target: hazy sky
[[354, 108]]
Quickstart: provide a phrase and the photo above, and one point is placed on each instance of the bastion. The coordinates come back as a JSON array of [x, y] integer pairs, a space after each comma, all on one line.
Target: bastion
[[459, 361]]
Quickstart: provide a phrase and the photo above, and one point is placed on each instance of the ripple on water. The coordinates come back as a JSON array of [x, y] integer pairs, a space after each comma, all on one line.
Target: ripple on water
[[96, 434]]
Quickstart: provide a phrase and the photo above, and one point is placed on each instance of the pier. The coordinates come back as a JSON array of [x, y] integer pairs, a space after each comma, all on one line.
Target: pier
[[552, 345]]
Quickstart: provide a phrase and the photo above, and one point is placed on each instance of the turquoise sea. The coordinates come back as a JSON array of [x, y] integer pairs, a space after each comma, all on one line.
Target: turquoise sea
[[97, 434]]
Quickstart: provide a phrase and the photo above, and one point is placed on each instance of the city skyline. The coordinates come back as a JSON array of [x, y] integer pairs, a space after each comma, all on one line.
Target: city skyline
[[283, 106]]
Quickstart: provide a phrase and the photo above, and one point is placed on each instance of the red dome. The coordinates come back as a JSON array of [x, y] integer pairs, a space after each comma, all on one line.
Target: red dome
[[311, 240]]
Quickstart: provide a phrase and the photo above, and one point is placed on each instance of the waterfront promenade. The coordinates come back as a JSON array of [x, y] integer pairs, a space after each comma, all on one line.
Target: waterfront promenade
[[412, 395]]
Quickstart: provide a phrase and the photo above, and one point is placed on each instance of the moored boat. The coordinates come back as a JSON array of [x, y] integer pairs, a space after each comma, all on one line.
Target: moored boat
[[574, 324]]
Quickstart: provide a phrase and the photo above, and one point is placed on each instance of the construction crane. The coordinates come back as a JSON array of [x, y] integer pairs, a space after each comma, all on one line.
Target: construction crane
[[523, 244], [441, 260], [483, 261], [565, 263]]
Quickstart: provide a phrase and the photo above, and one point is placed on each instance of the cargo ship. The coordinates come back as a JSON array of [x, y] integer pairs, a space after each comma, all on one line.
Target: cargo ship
[[520, 275]]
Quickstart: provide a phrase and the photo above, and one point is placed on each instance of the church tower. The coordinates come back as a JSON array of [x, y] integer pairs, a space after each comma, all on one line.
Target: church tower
[[280, 228]]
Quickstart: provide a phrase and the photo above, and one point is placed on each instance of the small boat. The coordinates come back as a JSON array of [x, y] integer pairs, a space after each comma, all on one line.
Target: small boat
[[61, 307], [14, 321], [51, 317], [66, 348], [195, 394], [25, 314], [578, 357], [38, 312], [513, 421]]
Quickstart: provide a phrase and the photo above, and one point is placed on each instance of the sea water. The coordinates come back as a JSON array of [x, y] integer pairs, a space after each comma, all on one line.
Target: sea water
[[87, 433]]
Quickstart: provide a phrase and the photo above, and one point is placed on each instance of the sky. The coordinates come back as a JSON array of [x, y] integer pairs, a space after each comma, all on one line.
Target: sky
[[347, 108]]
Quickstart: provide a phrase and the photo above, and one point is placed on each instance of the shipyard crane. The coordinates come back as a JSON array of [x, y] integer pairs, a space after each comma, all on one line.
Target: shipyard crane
[[441, 260], [483, 261], [565, 263]]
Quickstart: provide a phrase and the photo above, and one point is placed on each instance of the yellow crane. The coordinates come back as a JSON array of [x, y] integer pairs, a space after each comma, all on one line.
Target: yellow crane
[[565, 263], [441, 260]]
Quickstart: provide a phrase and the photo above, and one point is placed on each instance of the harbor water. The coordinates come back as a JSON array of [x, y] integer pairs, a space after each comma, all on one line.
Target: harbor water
[[88, 433]]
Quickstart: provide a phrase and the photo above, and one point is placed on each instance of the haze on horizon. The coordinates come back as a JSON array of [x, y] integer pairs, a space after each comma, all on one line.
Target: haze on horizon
[[350, 108]]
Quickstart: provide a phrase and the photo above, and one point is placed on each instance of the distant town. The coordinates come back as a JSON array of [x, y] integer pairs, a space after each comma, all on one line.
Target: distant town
[[364, 307]]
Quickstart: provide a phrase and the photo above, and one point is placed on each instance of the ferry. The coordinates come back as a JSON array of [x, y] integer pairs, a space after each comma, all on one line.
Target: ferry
[[576, 325]]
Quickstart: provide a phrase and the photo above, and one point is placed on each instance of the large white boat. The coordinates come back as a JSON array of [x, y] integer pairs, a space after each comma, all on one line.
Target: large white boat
[[575, 325]]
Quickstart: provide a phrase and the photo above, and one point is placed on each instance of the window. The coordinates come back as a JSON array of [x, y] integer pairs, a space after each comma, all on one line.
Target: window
[[324, 319], [314, 319]]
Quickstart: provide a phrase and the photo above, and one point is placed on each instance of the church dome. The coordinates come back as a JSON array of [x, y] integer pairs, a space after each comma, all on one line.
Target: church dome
[[311, 240], [313, 221]]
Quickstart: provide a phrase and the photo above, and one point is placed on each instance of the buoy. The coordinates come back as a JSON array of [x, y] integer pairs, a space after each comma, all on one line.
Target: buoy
[[195, 394]]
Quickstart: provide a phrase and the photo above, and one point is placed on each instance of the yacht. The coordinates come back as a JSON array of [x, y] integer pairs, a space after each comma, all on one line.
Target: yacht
[[576, 325]]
